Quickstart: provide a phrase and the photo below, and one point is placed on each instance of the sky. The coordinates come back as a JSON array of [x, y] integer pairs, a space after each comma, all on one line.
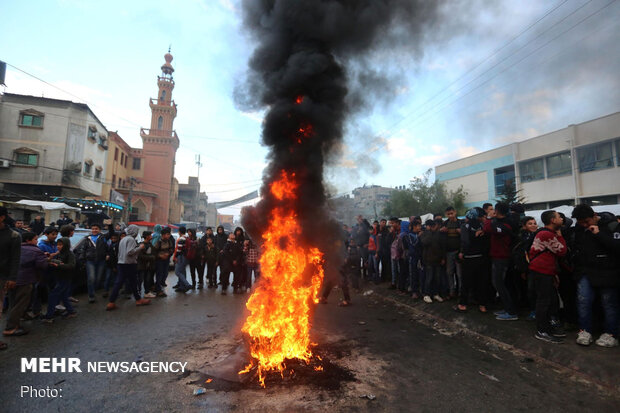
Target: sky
[[486, 74]]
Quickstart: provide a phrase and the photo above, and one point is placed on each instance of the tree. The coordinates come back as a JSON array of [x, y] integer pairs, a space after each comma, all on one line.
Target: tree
[[423, 197], [510, 194]]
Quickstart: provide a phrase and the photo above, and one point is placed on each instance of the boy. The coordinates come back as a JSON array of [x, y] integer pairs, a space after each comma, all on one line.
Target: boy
[[163, 249], [434, 257], [62, 268], [180, 260], [210, 257], [146, 266], [111, 261]]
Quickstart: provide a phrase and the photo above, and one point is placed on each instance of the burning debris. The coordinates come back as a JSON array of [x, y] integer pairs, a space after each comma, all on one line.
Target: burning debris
[[298, 71]]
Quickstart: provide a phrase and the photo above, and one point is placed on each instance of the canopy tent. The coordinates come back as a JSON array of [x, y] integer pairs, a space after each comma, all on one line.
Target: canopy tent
[[48, 206]]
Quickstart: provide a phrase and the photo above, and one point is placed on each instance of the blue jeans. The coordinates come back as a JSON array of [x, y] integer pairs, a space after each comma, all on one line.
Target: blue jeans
[[127, 274], [453, 268], [499, 268], [94, 274], [110, 276], [161, 272], [373, 267], [432, 279], [395, 271], [609, 302], [60, 293], [180, 269]]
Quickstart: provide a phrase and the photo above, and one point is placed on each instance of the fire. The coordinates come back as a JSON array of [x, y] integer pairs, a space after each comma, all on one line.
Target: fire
[[299, 100], [279, 323]]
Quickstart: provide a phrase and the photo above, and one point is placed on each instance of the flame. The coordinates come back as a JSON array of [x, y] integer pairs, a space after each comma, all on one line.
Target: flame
[[279, 323], [299, 99]]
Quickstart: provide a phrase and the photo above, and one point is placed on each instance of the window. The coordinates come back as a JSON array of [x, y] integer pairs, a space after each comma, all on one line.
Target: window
[[103, 141], [120, 181], [136, 163], [160, 122], [555, 204], [87, 168], [126, 157], [593, 157], [92, 133], [163, 95], [618, 152], [29, 159], [98, 172], [600, 200], [122, 158], [114, 181], [559, 164], [116, 154], [532, 170], [31, 119], [504, 179], [537, 206]]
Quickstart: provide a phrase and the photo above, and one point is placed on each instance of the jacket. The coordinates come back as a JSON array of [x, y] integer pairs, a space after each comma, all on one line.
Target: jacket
[[546, 248], [65, 261], [10, 245], [597, 256], [164, 249], [32, 261], [473, 246], [146, 258], [501, 235], [210, 254], [128, 248], [453, 238], [434, 247], [233, 252], [220, 241], [87, 250]]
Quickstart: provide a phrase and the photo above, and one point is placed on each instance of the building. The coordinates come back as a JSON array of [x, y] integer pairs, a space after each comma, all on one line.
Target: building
[[580, 163], [50, 148], [369, 201], [160, 143]]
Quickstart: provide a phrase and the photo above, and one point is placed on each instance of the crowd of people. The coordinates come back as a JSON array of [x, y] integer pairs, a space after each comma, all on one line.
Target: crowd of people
[[557, 274], [554, 275], [34, 264]]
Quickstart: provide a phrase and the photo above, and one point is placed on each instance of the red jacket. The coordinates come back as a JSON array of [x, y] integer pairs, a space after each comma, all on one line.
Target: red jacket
[[545, 250], [501, 238]]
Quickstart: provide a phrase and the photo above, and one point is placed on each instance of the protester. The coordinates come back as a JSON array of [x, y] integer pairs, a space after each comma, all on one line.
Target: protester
[[210, 258], [373, 258], [434, 257], [111, 262], [474, 256], [500, 232], [62, 267], [221, 239], [10, 245], [547, 246], [180, 259], [597, 269], [451, 229], [163, 249], [32, 260], [227, 259], [128, 250], [146, 266], [252, 263], [194, 259], [92, 250], [37, 225], [384, 250]]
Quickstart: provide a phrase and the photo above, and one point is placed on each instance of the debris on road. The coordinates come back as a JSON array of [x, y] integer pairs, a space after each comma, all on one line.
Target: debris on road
[[368, 396], [488, 376], [199, 391]]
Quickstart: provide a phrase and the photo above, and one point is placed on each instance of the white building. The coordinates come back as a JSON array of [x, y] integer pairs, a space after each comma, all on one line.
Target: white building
[[580, 163], [50, 147]]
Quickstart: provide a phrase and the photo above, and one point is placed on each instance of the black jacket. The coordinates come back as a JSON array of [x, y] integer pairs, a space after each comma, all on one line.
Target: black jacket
[[11, 247], [597, 256], [87, 251], [471, 245]]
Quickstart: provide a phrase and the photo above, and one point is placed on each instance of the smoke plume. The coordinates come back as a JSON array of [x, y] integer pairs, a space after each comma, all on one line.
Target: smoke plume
[[307, 70]]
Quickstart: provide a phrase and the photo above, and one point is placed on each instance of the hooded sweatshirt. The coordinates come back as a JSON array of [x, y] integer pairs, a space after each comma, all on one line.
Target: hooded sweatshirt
[[156, 234], [65, 260], [128, 248], [32, 261]]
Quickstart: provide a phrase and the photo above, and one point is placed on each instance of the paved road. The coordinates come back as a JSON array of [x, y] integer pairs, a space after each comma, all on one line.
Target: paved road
[[375, 348]]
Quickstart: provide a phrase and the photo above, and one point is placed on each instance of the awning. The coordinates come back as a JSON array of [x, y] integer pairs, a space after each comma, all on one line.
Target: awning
[[48, 206]]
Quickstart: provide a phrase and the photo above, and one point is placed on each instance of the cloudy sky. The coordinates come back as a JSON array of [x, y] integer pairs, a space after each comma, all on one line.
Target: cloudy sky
[[490, 73]]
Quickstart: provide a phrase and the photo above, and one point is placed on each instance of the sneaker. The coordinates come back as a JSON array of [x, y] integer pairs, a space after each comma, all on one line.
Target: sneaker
[[607, 340], [143, 301], [91, 300], [549, 338], [531, 316], [558, 332], [584, 338], [428, 299], [438, 298], [74, 300], [501, 312], [149, 295], [61, 308], [110, 307], [162, 294], [507, 317]]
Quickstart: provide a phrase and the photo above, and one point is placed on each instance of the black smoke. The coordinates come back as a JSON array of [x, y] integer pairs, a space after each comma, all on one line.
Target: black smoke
[[316, 50]]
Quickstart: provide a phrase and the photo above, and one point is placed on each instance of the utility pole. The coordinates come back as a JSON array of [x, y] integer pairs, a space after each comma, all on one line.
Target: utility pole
[[199, 165], [132, 182]]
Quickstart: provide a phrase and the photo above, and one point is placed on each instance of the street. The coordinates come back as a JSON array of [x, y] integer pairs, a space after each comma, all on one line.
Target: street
[[378, 356]]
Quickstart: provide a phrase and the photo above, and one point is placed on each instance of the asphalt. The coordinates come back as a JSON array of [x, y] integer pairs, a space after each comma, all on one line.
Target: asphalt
[[383, 354]]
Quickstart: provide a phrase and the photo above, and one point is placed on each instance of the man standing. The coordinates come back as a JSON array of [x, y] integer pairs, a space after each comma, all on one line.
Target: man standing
[[164, 248], [32, 261], [547, 247], [383, 250], [10, 245], [180, 260], [128, 250], [500, 232], [38, 225], [93, 250], [597, 269], [64, 220], [452, 231]]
